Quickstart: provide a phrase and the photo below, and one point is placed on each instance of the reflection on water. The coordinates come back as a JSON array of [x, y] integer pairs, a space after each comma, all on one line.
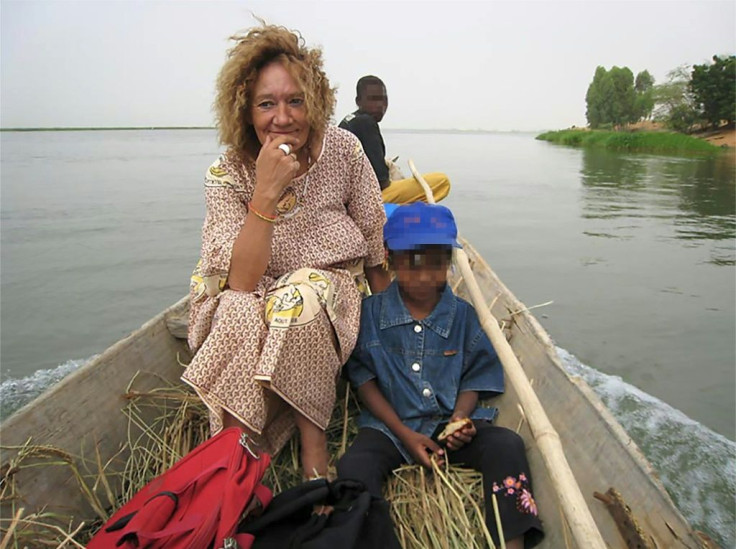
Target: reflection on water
[[693, 199]]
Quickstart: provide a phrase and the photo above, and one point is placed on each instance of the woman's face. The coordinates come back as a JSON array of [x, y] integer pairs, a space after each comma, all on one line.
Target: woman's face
[[278, 107]]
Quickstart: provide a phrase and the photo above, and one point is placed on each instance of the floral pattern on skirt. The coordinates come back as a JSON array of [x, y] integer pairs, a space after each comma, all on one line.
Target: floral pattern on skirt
[[518, 488], [266, 355]]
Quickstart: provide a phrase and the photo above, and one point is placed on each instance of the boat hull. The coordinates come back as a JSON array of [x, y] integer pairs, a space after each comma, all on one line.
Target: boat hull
[[83, 412]]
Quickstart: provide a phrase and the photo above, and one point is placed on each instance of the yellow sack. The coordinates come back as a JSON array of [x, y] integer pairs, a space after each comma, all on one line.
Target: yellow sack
[[405, 191]]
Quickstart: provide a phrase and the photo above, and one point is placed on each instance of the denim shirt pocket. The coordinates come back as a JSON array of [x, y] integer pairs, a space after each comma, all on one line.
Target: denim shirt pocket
[[444, 368]]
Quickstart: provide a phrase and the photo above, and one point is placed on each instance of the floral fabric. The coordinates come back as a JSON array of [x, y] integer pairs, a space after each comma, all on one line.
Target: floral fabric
[[518, 488]]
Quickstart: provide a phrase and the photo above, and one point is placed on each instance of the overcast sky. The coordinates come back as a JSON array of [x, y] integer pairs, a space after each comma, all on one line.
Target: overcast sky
[[494, 65]]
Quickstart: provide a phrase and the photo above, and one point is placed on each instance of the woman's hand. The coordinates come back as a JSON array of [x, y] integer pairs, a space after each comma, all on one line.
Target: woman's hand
[[274, 171], [461, 437], [421, 448]]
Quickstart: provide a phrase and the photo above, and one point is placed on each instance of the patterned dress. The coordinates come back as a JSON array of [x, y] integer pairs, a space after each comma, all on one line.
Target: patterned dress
[[259, 354]]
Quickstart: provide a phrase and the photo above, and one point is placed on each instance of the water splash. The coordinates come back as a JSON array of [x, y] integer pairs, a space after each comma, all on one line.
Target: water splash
[[695, 464], [15, 393]]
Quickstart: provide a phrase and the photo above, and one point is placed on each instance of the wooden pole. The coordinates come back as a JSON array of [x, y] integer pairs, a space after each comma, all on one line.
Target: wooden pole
[[583, 527]]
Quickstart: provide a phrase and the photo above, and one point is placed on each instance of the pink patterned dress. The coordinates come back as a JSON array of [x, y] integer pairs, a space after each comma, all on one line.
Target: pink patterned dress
[[259, 354]]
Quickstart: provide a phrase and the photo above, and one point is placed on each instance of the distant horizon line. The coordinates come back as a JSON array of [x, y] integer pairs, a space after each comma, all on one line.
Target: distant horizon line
[[130, 128]]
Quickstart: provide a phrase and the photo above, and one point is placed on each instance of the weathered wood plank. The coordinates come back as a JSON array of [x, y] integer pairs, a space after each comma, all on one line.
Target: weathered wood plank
[[84, 411]]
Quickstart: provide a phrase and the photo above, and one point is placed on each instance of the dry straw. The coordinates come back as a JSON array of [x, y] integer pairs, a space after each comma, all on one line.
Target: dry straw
[[441, 508], [43, 528]]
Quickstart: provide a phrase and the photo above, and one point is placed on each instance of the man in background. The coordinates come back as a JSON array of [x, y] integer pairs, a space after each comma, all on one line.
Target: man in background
[[372, 103]]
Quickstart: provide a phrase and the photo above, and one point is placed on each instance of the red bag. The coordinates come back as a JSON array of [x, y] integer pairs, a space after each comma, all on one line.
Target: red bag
[[196, 504]]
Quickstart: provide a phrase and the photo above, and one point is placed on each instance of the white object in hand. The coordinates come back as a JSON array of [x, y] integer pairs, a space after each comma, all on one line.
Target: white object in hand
[[284, 147], [453, 427]]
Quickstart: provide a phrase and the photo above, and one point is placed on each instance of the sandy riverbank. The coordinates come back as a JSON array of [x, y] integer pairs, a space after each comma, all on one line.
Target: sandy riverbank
[[723, 136]]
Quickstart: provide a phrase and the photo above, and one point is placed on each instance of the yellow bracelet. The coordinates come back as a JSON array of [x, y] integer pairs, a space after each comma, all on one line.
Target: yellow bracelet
[[259, 215]]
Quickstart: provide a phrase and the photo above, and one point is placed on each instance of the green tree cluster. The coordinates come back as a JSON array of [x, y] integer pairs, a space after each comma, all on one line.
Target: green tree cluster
[[698, 95], [714, 89], [615, 98], [674, 101]]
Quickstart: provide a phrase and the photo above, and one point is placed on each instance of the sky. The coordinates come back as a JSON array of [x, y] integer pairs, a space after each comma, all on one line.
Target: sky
[[490, 65]]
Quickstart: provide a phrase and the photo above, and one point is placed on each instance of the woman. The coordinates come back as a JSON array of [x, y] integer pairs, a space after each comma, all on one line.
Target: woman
[[294, 218]]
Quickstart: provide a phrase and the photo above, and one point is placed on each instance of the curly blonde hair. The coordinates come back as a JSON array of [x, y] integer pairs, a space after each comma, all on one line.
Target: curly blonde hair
[[256, 49]]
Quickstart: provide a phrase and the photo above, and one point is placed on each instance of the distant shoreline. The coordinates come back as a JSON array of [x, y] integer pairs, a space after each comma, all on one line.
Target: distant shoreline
[[722, 138], [107, 129], [139, 128]]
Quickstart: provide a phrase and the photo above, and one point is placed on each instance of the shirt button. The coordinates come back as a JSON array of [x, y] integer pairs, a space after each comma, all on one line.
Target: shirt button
[[416, 367], [427, 393], [417, 328]]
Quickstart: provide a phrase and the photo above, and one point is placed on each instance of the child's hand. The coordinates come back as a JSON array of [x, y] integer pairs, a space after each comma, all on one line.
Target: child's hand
[[461, 437], [422, 447]]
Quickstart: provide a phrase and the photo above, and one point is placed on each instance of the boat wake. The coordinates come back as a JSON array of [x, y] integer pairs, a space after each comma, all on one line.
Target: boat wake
[[15, 393], [696, 465]]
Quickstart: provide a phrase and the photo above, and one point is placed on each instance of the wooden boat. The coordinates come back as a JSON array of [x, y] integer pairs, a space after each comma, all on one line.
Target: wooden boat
[[84, 411]]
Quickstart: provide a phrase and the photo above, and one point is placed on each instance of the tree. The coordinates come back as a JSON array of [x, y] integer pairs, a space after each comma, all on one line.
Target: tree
[[644, 86], [714, 89], [623, 108], [674, 104], [595, 100], [644, 82], [682, 118], [613, 99]]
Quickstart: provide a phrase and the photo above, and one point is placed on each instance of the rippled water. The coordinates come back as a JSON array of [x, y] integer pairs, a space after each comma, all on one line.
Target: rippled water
[[100, 231]]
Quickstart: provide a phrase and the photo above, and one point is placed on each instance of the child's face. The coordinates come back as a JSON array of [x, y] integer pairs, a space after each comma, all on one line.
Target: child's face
[[422, 274]]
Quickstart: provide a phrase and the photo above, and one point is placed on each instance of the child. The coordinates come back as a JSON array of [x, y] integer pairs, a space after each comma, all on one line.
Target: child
[[422, 359]]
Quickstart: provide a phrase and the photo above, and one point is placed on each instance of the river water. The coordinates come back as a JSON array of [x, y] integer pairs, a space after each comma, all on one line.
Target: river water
[[100, 230]]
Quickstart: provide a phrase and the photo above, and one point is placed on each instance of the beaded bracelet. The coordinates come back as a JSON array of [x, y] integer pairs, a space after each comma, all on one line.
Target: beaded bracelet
[[259, 215]]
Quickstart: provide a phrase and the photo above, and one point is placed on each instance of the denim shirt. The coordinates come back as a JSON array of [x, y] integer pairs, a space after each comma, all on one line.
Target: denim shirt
[[421, 366]]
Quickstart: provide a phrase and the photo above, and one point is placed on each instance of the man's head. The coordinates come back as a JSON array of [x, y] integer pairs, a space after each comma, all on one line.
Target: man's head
[[371, 97], [420, 238]]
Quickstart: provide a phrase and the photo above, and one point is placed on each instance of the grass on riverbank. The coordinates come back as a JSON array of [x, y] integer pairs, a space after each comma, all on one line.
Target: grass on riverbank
[[667, 142]]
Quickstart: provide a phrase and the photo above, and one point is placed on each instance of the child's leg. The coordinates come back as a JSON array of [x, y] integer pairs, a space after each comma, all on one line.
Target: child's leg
[[370, 459], [499, 454]]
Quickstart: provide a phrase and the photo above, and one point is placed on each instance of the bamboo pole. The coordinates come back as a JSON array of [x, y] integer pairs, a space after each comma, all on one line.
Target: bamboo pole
[[584, 530]]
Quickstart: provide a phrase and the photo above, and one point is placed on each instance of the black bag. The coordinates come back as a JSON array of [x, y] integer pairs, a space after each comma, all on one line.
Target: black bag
[[358, 521]]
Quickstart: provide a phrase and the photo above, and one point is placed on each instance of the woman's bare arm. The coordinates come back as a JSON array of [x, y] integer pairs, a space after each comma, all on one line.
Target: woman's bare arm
[[252, 247]]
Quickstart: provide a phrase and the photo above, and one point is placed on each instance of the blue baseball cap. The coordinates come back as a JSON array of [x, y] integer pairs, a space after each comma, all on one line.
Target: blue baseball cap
[[419, 224], [389, 208]]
